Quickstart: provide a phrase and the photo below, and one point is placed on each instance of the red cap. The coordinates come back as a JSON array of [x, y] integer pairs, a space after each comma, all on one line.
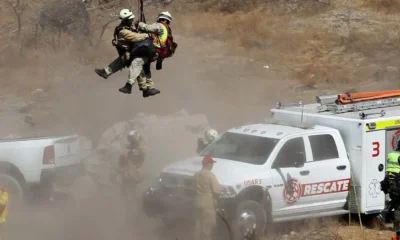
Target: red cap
[[207, 160]]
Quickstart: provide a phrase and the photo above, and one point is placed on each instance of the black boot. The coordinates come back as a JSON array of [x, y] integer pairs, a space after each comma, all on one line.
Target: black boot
[[101, 72], [126, 89], [150, 92]]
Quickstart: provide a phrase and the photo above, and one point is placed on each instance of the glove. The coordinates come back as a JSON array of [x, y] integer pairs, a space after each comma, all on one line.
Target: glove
[[158, 65], [114, 43]]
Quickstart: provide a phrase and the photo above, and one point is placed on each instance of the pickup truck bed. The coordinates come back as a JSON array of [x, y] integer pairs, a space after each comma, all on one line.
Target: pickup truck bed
[[38, 161]]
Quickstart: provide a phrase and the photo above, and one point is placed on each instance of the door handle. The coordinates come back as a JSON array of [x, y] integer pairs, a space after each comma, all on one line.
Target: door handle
[[341, 167], [303, 173]]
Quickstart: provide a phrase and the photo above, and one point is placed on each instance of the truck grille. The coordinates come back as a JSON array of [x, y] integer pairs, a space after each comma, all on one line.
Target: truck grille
[[179, 185]]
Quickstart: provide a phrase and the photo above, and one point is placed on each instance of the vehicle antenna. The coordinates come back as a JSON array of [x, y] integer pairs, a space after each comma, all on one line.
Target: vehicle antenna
[[302, 110]]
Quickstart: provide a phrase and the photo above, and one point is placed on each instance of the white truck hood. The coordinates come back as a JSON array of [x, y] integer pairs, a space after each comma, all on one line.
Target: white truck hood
[[228, 172]]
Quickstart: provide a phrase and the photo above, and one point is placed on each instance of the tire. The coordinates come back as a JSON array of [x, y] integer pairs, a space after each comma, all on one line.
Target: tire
[[14, 188], [247, 213]]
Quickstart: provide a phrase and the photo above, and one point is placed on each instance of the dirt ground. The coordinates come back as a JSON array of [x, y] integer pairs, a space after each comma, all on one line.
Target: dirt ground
[[234, 62]]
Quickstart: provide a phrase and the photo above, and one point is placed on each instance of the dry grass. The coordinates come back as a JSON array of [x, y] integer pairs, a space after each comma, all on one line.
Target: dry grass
[[314, 53], [330, 229], [387, 6], [289, 35]]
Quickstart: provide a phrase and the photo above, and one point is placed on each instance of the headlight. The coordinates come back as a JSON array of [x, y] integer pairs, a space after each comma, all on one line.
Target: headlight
[[227, 192]]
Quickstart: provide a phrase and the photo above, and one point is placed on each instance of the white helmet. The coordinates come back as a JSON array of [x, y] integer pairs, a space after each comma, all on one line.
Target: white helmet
[[133, 135], [126, 14], [165, 15], [211, 134]]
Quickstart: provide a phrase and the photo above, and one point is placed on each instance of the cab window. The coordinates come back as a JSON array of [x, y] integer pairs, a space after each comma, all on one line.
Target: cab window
[[323, 147], [292, 154], [241, 148]]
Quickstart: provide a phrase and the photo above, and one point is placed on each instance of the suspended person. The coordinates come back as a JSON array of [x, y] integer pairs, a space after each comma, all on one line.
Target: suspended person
[[162, 39], [134, 49]]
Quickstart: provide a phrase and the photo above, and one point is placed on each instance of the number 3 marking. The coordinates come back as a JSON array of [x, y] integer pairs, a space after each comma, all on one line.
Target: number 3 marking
[[376, 150]]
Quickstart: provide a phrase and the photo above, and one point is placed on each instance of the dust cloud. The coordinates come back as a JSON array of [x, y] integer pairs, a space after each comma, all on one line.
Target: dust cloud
[[56, 93], [192, 98]]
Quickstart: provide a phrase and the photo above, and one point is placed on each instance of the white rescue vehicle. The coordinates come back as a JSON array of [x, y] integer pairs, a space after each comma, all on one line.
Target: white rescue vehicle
[[311, 160]]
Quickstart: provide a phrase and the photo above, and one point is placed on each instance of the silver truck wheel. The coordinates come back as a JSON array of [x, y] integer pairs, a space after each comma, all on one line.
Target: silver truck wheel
[[248, 213], [14, 188]]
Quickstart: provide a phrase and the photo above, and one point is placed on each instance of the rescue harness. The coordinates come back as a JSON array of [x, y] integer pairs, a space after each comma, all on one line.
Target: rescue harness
[[167, 49], [144, 48]]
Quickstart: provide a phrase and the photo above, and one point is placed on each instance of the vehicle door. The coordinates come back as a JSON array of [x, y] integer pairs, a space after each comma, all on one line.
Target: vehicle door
[[331, 171], [290, 172], [375, 159]]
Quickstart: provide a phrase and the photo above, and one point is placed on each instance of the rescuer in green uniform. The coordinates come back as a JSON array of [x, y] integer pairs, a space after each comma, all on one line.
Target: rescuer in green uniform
[[391, 185]]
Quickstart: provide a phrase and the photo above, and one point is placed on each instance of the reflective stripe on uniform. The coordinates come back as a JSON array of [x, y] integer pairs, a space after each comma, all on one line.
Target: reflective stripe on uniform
[[392, 162], [158, 41]]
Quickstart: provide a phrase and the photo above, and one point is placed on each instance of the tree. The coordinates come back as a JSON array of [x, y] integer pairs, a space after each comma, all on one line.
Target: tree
[[18, 7]]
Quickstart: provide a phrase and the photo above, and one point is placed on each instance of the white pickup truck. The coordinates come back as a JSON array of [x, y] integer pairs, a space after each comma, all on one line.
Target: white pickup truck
[[28, 163], [311, 160]]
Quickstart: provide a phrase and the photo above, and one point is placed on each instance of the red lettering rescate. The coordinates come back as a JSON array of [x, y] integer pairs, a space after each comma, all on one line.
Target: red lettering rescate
[[311, 189]]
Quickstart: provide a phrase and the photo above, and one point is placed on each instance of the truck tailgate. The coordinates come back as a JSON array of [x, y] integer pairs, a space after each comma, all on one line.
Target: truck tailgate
[[66, 151]]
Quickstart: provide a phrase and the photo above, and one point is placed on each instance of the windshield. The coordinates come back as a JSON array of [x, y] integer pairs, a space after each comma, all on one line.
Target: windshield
[[242, 148]]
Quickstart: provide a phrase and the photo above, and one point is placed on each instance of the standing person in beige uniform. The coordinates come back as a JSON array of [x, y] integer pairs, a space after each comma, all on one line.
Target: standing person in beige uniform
[[207, 195]]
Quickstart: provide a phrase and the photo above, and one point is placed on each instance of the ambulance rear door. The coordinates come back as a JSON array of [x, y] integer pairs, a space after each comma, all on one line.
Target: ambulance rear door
[[374, 159]]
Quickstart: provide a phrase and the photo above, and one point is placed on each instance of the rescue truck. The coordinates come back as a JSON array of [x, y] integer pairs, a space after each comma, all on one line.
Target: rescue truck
[[321, 159]]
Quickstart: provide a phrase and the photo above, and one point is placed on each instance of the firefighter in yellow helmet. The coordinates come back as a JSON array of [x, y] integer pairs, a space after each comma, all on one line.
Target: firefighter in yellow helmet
[[3, 209], [163, 41], [208, 191]]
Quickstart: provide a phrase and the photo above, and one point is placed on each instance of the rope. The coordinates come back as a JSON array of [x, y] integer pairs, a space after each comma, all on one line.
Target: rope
[[355, 193], [142, 18]]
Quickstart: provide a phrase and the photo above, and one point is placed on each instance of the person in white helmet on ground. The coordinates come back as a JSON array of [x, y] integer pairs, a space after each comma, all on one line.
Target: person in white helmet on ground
[[129, 163], [134, 49], [209, 136], [163, 41]]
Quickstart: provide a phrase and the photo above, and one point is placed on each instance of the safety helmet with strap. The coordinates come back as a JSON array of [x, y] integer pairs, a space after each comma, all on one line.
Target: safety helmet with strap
[[164, 16], [125, 14], [211, 134]]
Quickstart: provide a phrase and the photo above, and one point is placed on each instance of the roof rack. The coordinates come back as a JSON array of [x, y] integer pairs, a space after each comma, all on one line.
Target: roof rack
[[290, 124], [358, 101]]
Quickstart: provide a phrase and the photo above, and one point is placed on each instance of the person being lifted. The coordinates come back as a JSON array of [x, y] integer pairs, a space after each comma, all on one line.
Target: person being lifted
[[134, 49], [163, 41]]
